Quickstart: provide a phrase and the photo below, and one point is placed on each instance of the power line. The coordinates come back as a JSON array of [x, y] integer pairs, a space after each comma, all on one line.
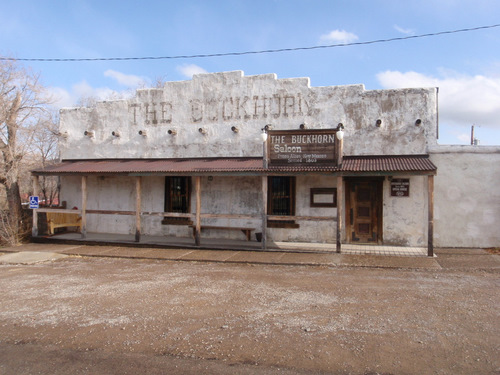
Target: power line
[[251, 52]]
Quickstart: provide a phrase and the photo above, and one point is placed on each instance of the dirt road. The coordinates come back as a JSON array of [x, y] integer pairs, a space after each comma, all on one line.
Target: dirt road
[[119, 316]]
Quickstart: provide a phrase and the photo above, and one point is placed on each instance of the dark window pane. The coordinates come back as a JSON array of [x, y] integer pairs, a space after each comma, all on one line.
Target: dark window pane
[[281, 195], [177, 194]]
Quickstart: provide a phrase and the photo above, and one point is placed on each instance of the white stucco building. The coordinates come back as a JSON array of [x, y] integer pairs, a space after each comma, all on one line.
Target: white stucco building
[[190, 158]]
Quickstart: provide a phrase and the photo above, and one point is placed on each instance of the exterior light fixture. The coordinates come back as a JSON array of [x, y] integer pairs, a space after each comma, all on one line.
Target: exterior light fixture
[[202, 131], [263, 135], [89, 133], [340, 131], [303, 126], [142, 132], [115, 134], [418, 122], [234, 129], [379, 123], [172, 131]]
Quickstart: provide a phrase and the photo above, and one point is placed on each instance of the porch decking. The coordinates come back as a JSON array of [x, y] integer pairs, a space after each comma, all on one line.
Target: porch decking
[[225, 244]]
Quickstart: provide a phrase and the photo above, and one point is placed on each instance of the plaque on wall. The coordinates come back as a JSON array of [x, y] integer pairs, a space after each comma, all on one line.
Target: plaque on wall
[[400, 187]]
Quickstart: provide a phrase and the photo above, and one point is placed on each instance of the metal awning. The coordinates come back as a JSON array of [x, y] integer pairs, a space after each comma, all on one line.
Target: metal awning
[[136, 167], [388, 164], [351, 166]]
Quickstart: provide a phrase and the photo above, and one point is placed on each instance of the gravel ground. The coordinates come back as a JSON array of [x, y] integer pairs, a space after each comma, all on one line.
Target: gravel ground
[[121, 316]]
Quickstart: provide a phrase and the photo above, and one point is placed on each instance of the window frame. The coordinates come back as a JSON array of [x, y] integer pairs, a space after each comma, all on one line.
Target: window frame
[[291, 196], [316, 192], [186, 186]]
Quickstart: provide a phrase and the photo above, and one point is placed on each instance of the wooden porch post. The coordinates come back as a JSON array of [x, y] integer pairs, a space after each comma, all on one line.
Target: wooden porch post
[[36, 186], [340, 211], [84, 206], [340, 157], [264, 212], [197, 235], [138, 197], [430, 210]]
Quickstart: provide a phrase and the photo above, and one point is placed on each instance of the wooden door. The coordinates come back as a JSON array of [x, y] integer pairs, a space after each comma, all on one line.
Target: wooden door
[[364, 211]]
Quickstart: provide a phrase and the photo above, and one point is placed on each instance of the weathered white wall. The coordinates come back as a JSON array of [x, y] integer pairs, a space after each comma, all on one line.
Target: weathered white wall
[[230, 195], [405, 218], [218, 195], [310, 231], [467, 196], [104, 193], [216, 102], [71, 191]]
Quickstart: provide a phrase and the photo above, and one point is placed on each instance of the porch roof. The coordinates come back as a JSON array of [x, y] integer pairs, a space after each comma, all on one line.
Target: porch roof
[[351, 166]]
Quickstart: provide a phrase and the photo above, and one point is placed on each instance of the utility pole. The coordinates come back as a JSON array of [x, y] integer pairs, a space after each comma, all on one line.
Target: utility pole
[[473, 140]]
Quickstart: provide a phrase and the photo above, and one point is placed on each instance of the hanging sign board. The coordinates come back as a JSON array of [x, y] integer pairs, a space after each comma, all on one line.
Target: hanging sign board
[[302, 147], [400, 187]]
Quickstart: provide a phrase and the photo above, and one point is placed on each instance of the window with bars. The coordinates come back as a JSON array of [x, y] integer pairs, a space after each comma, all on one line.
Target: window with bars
[[281, 195], [281, 200], [177, 198]]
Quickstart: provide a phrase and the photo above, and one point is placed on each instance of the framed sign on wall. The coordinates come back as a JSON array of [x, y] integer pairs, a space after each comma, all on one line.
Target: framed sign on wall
[[323, 197]]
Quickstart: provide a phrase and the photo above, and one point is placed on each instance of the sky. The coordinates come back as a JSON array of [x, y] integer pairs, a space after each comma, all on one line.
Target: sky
[[464, 65]]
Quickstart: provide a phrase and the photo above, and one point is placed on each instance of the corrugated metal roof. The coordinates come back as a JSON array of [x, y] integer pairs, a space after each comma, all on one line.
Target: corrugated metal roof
[[248, 165], [388, 163], [153, 166]]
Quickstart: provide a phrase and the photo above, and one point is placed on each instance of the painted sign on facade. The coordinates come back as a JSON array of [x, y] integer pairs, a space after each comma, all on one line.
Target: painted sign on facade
[[271, 106], [302, 147]]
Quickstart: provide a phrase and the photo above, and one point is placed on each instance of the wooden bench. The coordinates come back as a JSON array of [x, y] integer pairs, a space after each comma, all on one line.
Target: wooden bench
[[246, 231], [62, 220]]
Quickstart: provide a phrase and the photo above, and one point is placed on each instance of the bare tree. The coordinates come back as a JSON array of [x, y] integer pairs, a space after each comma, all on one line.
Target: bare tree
[[22, 102], [159, 82], [44, 152]]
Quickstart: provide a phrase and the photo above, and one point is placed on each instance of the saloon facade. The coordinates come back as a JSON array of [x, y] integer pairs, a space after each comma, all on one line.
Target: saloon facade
[[244, 157]]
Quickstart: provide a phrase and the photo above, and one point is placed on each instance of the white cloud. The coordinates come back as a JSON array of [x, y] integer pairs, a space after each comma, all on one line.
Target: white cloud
[[60, 97], [82, 90], [188, 70], [465, 138], [127, 80], [464, 100], [338, 36], [404, 31]]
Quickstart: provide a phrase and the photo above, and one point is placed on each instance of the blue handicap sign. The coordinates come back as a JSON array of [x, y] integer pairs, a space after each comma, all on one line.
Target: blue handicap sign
[[34, 202]]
